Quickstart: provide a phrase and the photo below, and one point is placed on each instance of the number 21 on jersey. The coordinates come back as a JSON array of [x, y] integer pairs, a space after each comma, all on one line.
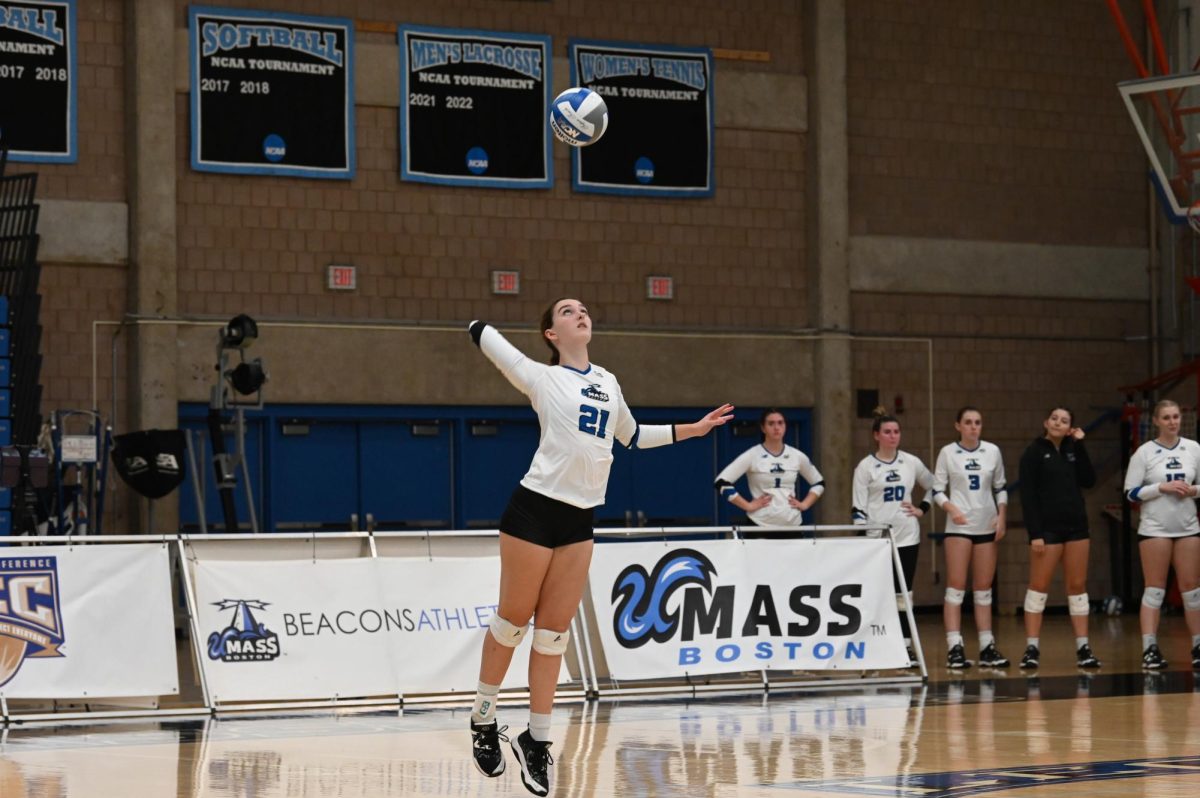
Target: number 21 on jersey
[[593, 420]]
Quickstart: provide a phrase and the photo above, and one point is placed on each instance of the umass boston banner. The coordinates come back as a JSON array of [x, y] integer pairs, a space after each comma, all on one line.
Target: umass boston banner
[[474, 108], [728, 606], [38, 80], [660, 119], [271, 93]]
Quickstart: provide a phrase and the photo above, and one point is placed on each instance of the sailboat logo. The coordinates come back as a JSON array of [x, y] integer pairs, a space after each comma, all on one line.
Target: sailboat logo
[[246, 639]]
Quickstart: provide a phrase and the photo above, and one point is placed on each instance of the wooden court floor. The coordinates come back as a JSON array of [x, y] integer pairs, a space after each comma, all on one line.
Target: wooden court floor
[[1118, 732]]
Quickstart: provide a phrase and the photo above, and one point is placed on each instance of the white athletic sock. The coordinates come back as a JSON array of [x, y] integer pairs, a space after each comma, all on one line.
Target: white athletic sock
[[986, 638], [484, 710], [1149, 640], [539, 727], [1080, 642], [953, 639], [1032, 641]]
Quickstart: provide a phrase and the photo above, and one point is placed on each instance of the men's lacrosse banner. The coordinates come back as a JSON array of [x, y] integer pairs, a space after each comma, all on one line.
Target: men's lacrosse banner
[[301, 629], [38, 80], [474, 108], [705, 607], [271, 93], [89, 621], [660, 119]]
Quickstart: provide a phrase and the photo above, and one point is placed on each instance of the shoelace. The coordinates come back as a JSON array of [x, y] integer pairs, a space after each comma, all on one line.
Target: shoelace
[[540, 760], [481, 737]]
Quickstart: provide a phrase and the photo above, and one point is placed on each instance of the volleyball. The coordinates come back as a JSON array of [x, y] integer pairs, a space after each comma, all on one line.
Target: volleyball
[[1113, 605], [578, 117]]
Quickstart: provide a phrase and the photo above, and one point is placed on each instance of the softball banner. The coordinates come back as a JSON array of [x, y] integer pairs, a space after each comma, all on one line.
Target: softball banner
[[660, 119], [38, 80], [271, 93], [727, 606], [474, 108]]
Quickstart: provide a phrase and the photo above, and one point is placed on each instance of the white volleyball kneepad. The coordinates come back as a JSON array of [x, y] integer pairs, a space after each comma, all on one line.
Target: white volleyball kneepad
[[983, 598], [1191, 599], [1079, 604], [550, 642], [1153, 597], [1035, 602], [955, 596], [506, 634]]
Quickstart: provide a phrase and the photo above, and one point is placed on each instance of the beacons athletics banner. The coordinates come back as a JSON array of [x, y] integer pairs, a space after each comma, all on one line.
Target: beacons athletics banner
[[729, 606]]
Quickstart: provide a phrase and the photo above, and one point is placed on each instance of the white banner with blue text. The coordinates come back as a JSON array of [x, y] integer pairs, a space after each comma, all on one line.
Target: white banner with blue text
[[727, 606], [90, 621], [303, 629]]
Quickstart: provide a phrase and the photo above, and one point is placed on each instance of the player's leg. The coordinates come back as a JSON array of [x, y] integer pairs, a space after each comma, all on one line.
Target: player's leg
[[983, 572], [1042, 563], [908, 567], [1187, 571], [958, 559], [1075, 568], [1156, 562]]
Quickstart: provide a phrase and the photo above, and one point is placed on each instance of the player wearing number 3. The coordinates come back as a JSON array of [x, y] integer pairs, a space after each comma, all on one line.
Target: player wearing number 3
[[546, 531], [1162, 475], [968, 484]]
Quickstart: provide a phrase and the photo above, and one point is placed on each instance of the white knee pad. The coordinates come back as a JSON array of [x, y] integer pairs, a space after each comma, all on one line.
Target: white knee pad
[[903, 601], [1079, 604], [955, 597], [983, 598], [1153, 597], [505, 633], [1035, 602], [1191, 599], [550, 642]]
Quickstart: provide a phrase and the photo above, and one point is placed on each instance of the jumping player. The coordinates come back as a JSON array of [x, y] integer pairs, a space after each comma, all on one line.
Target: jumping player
[[546, 531], [883, 494], [969, 486], [1162, 475]]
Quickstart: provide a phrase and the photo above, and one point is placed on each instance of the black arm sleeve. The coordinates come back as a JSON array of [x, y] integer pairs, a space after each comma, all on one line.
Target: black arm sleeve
[[1030, 464], [477, 330], [1084, 471]]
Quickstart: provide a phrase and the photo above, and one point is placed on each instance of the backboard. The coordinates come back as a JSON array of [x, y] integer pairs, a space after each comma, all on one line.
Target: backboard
[[1166, 113]]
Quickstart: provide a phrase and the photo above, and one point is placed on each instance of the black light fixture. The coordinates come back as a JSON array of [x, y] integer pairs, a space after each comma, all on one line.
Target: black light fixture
[[247, 377], [239, 333]]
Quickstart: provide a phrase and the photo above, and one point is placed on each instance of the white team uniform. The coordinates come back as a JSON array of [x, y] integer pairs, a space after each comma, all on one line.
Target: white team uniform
[[973, 479], [774, 475], [1164, 516], [880, 486], [579, 412]]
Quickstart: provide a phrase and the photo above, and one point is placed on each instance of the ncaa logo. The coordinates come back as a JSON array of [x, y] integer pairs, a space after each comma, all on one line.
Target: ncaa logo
[[274, 148], [30, 616], [245, 639]]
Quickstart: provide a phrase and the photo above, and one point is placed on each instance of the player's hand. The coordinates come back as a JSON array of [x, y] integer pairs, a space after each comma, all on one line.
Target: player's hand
[[999, 527], [1076, 433], [761, 502], [1038, 545], [1177, 487], [716, 418], [957, 516], [796, 504], [911, 510]]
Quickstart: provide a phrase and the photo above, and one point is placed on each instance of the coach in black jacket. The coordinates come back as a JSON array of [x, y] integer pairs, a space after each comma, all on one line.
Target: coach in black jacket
[[1054, 471]]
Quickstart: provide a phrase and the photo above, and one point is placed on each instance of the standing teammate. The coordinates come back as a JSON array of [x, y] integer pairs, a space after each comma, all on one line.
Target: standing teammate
[[968, 485], [883, 494], [1162, 475], [1054, 470], [546, 530], [771, 469]]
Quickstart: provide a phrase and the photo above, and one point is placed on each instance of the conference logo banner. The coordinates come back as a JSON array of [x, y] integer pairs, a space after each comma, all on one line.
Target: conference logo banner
[[91, 620], [660, 119], [38, 80], [474, 108], [709, 607], [363, 627], [271, 93]]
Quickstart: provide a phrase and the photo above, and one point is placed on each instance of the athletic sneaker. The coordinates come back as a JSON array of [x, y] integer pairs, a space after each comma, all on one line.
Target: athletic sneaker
[[1030, 660], [486, 750], [956, 658], [1084, 657], [537, 771], [1196, 657], [991, 657], [1152, 659]]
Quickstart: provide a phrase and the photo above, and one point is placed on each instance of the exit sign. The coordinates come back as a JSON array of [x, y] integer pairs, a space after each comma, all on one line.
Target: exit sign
[[342, 278], [506, 282], [660, 288]]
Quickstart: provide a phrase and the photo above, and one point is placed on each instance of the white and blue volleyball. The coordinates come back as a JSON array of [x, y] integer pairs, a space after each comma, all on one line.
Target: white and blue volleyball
[[578, 117]]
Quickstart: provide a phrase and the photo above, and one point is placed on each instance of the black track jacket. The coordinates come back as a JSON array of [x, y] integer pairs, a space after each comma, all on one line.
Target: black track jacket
[[1051, 486]]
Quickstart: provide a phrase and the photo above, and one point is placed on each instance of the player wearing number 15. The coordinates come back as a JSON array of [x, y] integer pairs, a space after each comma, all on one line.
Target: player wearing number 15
[[1162, 475], [546, 531]]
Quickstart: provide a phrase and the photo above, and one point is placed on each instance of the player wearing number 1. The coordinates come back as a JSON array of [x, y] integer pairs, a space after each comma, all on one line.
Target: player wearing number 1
[[1162, 475], [969, 486], [546, 531]]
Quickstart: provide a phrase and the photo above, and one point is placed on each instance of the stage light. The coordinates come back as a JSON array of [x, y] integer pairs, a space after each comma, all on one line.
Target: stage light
[[239, 333], [247, 377]]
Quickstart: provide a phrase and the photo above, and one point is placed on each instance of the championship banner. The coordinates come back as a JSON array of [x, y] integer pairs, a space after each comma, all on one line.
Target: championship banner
[[725, 606], [474, 108], [660, 110], [271, 93], [300, 629], [37, 80], [87, 621]]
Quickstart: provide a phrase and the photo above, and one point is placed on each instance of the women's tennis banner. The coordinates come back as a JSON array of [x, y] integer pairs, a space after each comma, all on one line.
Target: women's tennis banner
[[271, 93], [474, 108], [660, 119], [730, 606], [38, 80]]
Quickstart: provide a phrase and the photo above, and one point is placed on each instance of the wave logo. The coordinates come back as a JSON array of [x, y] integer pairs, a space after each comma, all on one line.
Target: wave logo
[[246, 639], [30, 615], [641, 598]]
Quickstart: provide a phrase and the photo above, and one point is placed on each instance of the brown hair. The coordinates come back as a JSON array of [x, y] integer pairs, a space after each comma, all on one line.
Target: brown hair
[[962, 411], [547, 323], [881, 419], [1164, 403]]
